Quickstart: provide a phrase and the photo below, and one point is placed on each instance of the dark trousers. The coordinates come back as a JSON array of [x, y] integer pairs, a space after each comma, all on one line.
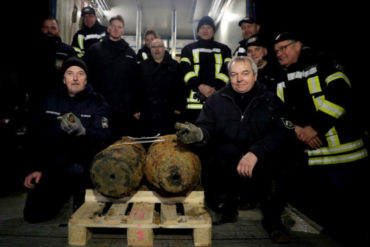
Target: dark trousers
[[53, 190], [223, 185]]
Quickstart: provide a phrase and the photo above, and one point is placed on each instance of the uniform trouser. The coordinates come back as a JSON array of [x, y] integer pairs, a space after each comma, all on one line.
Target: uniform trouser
[[54, 189], [223, 185]]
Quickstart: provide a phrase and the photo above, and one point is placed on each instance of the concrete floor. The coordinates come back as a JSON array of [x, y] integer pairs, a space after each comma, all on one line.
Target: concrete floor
[[15, 232]]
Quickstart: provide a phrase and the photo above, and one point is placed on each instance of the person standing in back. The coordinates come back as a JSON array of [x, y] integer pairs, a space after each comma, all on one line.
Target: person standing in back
[[113, 72], [162, 92], [204, 64], [92, 31]]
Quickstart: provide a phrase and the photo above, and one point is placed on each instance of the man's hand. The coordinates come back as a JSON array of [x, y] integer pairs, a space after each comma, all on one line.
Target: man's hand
[[246, 164], [188, 133], [308, 136], [32, 179], [206, 90], [71, 124]]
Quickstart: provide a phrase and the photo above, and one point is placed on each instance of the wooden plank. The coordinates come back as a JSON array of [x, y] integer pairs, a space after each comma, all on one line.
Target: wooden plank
[[193, 197], [168, 214], [197, 216], [202, 236], [116, 214], [140, 237], [141, 213], [87, 213], [78, 235]]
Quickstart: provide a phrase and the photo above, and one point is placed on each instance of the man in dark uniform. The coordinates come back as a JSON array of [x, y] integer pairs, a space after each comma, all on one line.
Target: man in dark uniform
[[113, 72], [162, 92], [249, 27], [68, 128], [92, 31], [320, 102], [51, 53], [204, 63], [244, 126], [269, 72]]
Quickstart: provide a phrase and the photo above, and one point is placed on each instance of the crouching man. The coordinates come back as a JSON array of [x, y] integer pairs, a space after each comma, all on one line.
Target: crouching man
[[243, 125], [67, 129]]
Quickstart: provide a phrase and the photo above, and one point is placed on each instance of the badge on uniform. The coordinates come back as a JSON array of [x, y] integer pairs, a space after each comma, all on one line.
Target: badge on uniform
[[287, 123], [58, 63], [104, 122]]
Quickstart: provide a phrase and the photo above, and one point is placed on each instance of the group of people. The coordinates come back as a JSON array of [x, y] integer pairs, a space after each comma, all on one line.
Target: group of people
[[252, 119]]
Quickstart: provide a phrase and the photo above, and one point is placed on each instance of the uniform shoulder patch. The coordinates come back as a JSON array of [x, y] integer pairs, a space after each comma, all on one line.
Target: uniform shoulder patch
[[104, 122], [287, 123]]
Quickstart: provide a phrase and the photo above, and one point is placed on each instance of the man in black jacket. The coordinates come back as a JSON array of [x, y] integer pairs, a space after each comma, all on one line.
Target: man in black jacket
[[71, 127], [92, 31], [162, 92], [113, 72], [51, 53], [244, 125]]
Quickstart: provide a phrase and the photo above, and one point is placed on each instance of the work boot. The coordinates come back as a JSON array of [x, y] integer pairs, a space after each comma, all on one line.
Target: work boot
[[277, 231], [229, 214], [227, 218]]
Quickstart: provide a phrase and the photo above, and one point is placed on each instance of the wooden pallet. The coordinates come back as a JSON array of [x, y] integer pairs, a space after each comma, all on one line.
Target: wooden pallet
[[140, 214]]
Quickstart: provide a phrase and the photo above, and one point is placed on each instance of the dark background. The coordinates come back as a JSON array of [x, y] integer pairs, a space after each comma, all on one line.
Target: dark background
[[336, 27]]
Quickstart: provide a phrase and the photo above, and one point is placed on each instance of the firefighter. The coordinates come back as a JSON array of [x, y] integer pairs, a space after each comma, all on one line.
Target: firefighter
[[204, 63], [249, 27], [320, 103], [92, 31]]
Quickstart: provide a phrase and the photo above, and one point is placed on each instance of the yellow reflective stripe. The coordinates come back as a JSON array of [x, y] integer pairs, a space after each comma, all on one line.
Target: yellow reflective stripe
[[222, 77], [314, 84], [346, 147], [196, 69], [78, 50], [336, 76], [218, 65], [196, 56], [280, 90], [318, 101], [332, 137], [189, 75], [338, 159], [185, 60], [80, 41], [191, 98], [331, 109], [194, 106], [144, 56], [227, 60]]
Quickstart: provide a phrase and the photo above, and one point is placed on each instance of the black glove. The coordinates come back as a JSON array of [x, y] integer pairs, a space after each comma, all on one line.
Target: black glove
[[71, 124], [188, 133]]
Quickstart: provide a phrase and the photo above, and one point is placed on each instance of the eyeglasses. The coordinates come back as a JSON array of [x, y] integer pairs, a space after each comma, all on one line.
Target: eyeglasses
[[283, 48]]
